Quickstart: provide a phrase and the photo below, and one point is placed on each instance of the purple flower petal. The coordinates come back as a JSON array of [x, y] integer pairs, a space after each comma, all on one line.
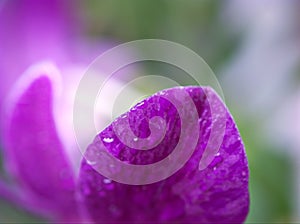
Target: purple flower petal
[[214, 192], [30, 31], [34, 154]]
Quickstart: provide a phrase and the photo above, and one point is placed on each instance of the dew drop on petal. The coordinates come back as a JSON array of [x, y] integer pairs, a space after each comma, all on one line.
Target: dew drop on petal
[[91, 163], [107, 181], [108, 140], [140, 104]]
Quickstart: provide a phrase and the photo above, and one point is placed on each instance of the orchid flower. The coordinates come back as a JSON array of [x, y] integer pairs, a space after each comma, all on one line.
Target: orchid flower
[[40, 154], [45, 182]]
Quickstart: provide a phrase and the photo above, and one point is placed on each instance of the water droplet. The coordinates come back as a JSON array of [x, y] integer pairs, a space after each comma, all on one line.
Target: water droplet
[[140, 104], [162, 92], [123, 116], [243, 173], [217, 154], [108, 140], [107, 181], [91, 163], [135, 139], [214, 168]]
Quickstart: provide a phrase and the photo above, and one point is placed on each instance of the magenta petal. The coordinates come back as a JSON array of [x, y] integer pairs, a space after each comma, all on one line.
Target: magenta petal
[[215, 193], [30, 31], [35, 156]]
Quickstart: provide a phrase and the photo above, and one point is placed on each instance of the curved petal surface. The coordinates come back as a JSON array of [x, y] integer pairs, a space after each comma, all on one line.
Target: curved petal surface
[[34, 154], [216, 193]]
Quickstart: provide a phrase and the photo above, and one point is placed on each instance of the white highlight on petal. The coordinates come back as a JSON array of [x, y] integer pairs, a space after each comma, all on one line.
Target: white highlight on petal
[[44, 68], [64, 106], [108, 140]]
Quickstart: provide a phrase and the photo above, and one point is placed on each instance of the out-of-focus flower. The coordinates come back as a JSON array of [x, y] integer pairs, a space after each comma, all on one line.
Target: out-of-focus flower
[[35, 157], [31, 31]]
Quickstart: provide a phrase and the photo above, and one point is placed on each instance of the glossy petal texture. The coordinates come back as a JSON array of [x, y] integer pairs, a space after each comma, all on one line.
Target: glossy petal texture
[[216, 194], [34, 154]]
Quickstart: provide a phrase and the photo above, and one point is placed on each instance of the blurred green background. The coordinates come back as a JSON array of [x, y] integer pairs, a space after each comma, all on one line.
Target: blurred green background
[[223, 32]]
